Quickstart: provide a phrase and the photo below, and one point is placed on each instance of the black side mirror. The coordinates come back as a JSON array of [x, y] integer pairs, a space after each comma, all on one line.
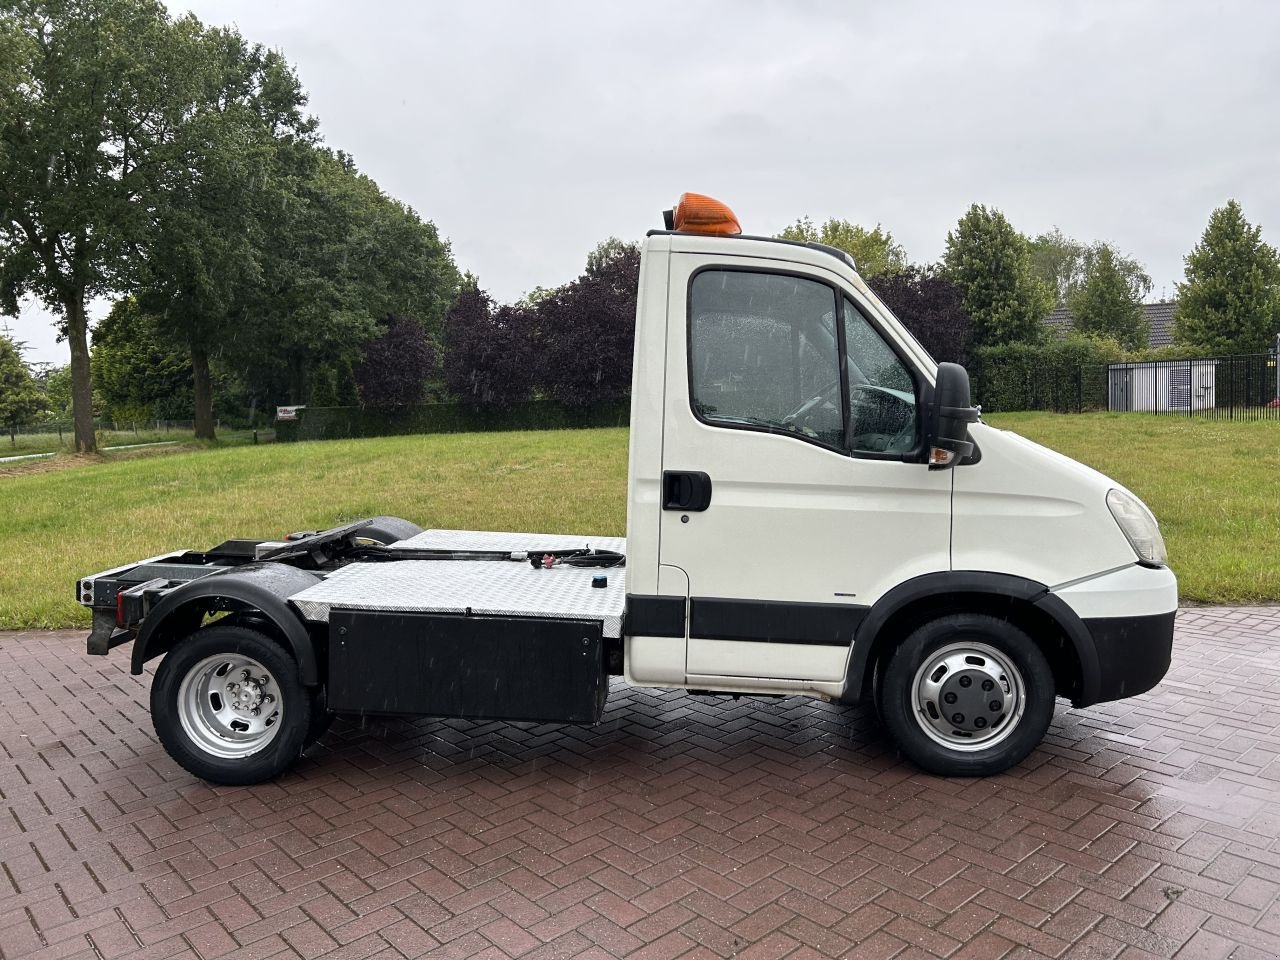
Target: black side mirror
[[949, 417]]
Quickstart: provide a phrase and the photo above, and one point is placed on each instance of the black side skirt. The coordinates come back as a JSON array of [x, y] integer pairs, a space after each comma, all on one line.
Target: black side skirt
[[775, 621], [449, 665]]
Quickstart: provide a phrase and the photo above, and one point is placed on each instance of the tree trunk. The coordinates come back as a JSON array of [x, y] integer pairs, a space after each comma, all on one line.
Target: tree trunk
[[81, 384], [203, 393]]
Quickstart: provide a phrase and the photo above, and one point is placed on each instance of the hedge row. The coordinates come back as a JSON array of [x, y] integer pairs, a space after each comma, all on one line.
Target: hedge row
[[1068, 375], [336, 423]]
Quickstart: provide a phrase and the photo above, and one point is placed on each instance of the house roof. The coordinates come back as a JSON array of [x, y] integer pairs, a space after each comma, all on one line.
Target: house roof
[[1159, 317]]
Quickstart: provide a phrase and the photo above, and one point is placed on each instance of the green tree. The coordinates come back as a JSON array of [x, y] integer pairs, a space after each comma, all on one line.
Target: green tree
[[203, 253], [337, 255], [875, 252], [20, 396], [991, 263], [1064, 264], [1059, 261], [56, 384], [609, 251], [92, 91], [138, 374], [536, 296], [1109, 301], [1230, 302]]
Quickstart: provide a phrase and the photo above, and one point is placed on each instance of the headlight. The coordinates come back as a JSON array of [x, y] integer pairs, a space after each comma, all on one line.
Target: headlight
[[1139, 526]]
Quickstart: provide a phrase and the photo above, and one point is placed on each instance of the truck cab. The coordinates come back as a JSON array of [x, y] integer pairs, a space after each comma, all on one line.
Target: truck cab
[[815, 508], [797, 502]]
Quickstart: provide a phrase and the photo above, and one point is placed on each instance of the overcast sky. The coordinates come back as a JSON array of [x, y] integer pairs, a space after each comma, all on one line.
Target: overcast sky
[[529, 131]]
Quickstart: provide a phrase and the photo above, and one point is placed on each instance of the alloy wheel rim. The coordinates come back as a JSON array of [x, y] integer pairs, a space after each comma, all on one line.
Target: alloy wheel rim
[[968, 696], [230, 706]]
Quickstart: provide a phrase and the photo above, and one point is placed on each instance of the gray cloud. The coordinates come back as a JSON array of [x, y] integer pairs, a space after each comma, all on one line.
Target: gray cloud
[[528, 132]]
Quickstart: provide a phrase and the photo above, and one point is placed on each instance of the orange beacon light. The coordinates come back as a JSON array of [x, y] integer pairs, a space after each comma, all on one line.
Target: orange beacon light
[[697, 213]]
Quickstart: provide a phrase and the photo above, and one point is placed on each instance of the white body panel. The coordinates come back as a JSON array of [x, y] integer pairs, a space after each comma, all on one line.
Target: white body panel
[[1028, 511], [1131, 591], [648, 373], [659, 661]]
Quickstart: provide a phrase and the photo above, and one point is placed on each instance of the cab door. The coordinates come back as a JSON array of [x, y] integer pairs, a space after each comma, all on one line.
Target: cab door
[[786, 497]]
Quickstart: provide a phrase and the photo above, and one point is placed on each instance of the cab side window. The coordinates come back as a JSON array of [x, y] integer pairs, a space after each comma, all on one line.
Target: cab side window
[[882, 395], [764, 354]]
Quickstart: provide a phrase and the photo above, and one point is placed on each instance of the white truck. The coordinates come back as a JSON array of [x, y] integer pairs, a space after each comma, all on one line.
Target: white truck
[[814, 509]]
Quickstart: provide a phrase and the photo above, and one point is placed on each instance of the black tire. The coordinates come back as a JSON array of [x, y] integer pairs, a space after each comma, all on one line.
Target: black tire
[[179, 713], [913, 719], [387, 530]]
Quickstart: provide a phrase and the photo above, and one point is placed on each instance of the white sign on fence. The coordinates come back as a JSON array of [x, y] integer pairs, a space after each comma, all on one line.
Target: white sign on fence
[[289, 413]]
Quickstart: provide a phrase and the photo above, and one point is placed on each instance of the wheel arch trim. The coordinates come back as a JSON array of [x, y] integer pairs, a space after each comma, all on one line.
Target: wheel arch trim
[[972, 582], [264, 587]]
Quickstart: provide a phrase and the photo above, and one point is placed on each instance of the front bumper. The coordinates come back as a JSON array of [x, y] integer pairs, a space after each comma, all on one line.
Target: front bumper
[[1133, 653], [1129, 616]]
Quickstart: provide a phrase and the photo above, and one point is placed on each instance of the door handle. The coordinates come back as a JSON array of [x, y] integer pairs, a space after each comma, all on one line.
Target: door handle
[[686, 490]]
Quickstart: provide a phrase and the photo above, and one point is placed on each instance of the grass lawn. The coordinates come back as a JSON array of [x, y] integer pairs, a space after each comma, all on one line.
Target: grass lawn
[[1214, 485]]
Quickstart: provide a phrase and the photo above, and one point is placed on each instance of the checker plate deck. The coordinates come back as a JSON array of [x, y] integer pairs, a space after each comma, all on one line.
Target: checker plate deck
[[481, 587]]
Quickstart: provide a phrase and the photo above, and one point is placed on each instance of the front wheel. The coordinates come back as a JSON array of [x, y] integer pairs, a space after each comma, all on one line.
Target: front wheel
[[967, 695], [229, 706]]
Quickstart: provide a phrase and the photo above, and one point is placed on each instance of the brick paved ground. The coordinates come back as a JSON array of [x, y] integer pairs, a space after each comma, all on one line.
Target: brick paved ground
[[679, 827]]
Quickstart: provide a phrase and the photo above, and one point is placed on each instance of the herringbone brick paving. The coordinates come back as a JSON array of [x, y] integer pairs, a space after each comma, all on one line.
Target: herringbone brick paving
[[679, 827]]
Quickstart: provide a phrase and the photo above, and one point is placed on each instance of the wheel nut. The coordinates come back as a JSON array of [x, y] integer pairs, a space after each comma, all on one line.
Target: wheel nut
[[994, 706], [957, 718], [980, 722], [949, 698], [966, 681], [987, 685]]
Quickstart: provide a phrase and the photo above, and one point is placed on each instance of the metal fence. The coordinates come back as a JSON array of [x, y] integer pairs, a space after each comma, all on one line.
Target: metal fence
[[66, 427], [1243, 387]]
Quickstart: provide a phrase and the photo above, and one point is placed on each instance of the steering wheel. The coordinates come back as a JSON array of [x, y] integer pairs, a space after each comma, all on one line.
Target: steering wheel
[[807, 407], [876, 442]]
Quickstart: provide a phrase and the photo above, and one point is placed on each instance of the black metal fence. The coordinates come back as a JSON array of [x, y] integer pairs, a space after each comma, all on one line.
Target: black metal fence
[[1243, 387], [339, 423]]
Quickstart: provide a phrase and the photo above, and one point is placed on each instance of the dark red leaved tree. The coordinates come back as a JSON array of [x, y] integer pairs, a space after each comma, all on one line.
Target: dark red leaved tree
[[931, 307], [587, 329], [396, 364], [488, 354]]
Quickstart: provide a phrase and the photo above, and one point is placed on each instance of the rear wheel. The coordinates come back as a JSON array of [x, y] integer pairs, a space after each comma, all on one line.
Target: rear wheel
[[229, 706], [967, 695]]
